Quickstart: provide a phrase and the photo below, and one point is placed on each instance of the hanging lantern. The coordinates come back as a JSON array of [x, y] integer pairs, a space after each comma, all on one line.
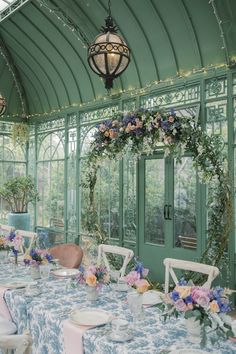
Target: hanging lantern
[[3, 105], [109, 55]]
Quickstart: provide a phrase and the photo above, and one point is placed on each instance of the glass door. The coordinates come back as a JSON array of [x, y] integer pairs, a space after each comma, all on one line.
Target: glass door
[[168, 212]]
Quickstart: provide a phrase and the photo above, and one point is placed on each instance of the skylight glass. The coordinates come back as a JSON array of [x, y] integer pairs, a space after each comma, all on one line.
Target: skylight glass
[[5, 3]]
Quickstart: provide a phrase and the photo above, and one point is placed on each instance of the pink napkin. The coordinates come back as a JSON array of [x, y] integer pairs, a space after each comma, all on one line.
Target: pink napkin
[[73, 337], [4, 312]]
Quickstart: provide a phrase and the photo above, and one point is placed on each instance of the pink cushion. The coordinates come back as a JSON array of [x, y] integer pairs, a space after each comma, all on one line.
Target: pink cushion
[[69, 254]]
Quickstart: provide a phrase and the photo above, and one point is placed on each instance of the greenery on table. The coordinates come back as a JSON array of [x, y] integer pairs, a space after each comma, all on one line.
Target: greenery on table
[[143, 132]]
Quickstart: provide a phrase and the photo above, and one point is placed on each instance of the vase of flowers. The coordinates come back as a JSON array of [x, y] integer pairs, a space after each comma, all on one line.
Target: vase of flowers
[[136, 279], [15, 244], [93, 277], [3, 249], [35, 258], [201, 307]]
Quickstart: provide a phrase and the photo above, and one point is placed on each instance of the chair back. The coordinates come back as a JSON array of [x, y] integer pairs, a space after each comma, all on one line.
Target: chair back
[[20, 343], [6, 228], [171, 263], [69, 254], [29, 239], [125, 252]]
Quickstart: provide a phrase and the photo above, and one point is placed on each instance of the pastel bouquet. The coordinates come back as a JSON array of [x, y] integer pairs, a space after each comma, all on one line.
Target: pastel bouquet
[[93, 276], [37, 257], [209, 306], [3, 244], [136, 278], [14, 242]]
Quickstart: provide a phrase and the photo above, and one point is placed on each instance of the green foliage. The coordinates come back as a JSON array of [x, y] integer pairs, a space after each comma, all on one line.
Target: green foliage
[[19, 192], [143, 133], [20, 133]]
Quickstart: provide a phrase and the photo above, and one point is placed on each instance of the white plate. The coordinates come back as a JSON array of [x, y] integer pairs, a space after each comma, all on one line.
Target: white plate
[[16, 283], [90, 317], [188, 351], [65, 272], [117, 338], [152, 297]]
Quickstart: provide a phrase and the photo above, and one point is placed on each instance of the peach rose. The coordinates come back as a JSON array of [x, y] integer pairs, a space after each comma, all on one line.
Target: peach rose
[[214, 306], [91, 279], [142, 285], [183, 291]]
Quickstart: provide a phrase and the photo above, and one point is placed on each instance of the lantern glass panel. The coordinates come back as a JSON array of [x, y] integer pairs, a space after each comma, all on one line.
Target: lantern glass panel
[[99, 60], [112, 61], [123, 65]]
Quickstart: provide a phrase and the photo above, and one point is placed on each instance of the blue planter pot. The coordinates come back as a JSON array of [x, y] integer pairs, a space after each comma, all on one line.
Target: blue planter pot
[[20, 221]]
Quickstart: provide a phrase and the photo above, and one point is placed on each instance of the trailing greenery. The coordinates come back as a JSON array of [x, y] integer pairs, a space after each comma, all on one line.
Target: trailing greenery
[[143, 132], [20, 133]]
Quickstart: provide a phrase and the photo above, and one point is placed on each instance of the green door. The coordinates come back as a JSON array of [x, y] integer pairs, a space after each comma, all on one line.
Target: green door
[[169, 212]]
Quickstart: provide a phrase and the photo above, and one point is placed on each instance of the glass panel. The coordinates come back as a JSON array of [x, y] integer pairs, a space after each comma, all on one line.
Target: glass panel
[[107, 197], [129, 199], [185, 204], [154, 201], [71, 184]]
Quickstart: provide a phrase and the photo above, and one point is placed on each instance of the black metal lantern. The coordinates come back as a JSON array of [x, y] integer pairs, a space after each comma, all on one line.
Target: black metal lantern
[[3, 105], [108, 55]]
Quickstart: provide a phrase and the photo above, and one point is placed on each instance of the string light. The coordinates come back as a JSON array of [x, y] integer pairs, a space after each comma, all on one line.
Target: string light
[[134, 92], [11, 68], [66, 22]]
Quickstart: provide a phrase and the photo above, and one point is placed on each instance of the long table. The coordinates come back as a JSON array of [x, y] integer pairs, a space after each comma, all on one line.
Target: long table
[[46, 317]]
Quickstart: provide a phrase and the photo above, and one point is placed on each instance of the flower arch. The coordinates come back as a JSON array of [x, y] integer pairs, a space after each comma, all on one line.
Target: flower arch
[[142, 132]]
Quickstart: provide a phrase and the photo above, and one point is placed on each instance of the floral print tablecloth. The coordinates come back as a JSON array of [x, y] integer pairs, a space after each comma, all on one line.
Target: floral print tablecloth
[[44, 314]]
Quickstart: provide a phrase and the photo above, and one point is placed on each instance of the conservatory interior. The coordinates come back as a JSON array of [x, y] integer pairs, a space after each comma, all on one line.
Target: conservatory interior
[[117, 179]]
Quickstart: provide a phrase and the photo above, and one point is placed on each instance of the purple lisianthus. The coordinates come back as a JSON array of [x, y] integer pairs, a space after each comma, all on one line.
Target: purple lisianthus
[[189, 299], [180, 305], [141, 270], [224, 305]]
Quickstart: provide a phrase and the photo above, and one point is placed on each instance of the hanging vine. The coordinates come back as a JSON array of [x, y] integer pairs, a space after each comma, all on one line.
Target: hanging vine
[[142, 132]]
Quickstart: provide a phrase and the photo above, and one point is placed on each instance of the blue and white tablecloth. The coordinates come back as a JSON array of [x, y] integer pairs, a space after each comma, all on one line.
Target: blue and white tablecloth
[[44, 314]]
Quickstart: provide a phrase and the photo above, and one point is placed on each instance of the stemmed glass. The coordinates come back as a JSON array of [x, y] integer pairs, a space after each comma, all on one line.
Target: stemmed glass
[[114, 277], [44, 271]]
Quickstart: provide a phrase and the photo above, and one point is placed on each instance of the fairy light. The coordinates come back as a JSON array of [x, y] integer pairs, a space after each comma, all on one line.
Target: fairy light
[[66, 22], [222, 35], [11, 68]]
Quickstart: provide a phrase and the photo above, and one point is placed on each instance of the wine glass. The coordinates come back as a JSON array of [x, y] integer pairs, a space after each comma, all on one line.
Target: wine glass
[[44, 271]]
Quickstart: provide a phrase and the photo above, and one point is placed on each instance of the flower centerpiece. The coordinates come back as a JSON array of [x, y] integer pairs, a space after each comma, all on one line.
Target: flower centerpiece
[[94, 277], [35, 258], [14, 243], [136, 278], [3, 249], [201, 307]]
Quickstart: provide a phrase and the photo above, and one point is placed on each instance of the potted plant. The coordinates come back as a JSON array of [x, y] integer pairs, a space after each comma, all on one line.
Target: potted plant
[[18, 192]]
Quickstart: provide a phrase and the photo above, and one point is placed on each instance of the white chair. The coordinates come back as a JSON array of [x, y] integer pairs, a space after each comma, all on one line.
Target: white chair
[[27, 235], [125, 252], [171, 263], [20, 343], [6, 228]]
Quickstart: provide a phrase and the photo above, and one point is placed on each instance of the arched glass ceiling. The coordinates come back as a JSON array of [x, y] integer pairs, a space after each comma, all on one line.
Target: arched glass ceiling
[[5, 3], [43, 47]]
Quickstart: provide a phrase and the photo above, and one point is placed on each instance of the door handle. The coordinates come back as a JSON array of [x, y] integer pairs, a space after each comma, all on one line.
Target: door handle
[[165, 212], [169, 212]]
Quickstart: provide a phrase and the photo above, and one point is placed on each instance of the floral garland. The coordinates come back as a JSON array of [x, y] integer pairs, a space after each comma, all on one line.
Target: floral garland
[[142, 132]]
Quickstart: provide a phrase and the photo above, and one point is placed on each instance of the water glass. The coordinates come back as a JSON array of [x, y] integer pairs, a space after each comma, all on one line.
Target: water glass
[[135, 302], [44, 271]]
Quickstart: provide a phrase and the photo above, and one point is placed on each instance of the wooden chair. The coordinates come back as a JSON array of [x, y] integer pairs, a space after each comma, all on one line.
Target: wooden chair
[[28, 236], [69, 254], [189, 242], [125, 252], [171, 263]]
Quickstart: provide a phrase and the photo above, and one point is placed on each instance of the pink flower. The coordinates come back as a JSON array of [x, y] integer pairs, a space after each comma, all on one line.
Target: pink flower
[[180, 305], [18, 242], [199, 292], [92, 269], [132, 277], [145, 272], [171, 119], [203, 300]]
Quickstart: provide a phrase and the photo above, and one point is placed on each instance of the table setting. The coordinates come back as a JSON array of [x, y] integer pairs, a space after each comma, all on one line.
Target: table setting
[[123, 318]]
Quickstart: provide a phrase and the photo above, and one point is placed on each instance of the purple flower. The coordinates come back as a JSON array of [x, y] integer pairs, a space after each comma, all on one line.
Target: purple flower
[[203, 300], [174, 295], [180, 305]]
